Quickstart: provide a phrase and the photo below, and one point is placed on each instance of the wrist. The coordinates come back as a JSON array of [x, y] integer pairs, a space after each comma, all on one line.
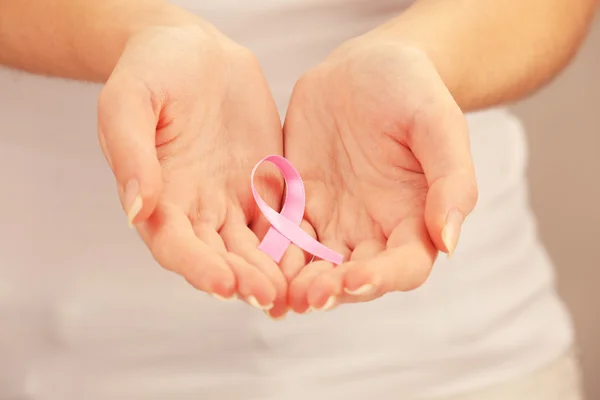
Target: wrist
[[384, 50], [421, 30], [110, 33], [444, 56]]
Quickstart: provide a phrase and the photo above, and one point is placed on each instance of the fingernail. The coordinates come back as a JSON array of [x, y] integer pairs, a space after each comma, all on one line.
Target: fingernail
[[133, 200], [282, 316], [364, 289], [219, 297], [451, 231], [328, 304], [254, 303]]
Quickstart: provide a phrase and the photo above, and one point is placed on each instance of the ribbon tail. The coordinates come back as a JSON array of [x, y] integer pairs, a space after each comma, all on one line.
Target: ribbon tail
[[274, 244]]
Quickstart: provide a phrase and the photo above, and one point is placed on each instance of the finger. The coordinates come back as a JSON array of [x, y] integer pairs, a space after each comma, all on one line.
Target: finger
[[295, 258], [449, 201], [403, 266], [298, 289], [172, 241], [253, 286], [250, 281], [440, 141], [324, 290], [210, 236], [239, 239], [367, 249], [127, 129], [399, 269]]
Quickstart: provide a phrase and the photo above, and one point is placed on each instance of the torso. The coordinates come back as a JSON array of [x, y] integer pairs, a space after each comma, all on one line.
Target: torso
[[87, 314]]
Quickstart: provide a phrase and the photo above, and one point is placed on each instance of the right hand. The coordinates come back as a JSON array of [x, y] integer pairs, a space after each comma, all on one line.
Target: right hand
[[182, 120]]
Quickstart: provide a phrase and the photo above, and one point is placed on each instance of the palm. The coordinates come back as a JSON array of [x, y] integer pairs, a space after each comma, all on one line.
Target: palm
[[366, 190], [356, 194]]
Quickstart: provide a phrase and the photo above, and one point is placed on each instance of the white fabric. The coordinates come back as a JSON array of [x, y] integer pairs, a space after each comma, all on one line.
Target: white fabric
[[85, 313], [559, 380]]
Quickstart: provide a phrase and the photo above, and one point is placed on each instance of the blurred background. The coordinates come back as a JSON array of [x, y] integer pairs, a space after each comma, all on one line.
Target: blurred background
[[563, 123]]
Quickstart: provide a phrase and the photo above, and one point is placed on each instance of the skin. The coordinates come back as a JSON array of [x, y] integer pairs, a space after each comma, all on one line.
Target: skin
[[382, 115], [182, 158], [391, 167]]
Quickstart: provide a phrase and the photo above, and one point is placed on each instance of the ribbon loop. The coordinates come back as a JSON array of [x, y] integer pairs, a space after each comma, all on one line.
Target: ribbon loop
[[285, 226]]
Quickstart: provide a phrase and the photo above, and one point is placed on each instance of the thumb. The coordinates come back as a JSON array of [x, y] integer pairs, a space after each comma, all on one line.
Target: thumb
[[440, 141], [127, 131]]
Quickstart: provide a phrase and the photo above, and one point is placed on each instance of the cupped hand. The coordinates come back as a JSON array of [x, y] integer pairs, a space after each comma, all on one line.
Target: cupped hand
[[182, 120], [384, 153]]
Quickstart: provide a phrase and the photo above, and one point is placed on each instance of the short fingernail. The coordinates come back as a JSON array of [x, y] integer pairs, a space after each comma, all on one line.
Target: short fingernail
[[133, 200], [254, 303], [219, 297], [451, 231], [364, 289], [328, 304], [282, 316]]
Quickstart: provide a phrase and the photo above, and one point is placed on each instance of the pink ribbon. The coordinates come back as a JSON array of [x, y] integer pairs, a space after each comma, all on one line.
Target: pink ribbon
[[285, 226]]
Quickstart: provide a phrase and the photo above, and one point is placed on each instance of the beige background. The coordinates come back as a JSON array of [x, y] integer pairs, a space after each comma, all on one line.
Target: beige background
[[563, 123]]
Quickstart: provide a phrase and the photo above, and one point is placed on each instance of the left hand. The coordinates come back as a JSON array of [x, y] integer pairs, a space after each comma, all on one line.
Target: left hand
[[384, 153]]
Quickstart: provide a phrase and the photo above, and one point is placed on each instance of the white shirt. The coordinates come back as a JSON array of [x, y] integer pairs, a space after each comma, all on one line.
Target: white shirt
[[86, 314]]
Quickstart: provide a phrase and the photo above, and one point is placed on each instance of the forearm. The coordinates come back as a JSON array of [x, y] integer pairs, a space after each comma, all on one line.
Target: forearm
[[494, 51], [77, 39]]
